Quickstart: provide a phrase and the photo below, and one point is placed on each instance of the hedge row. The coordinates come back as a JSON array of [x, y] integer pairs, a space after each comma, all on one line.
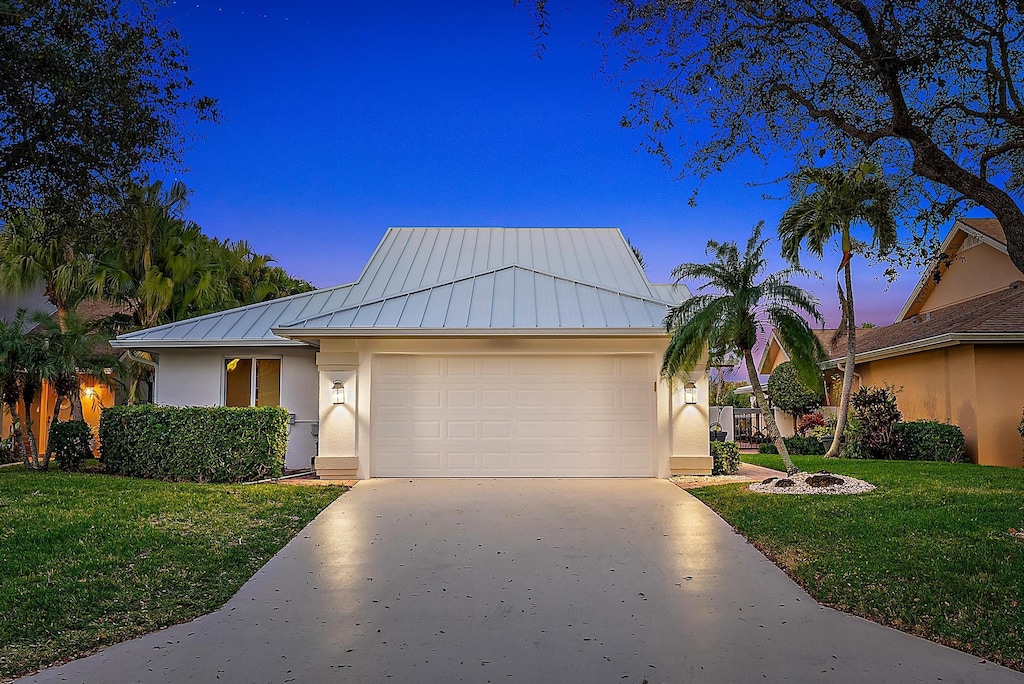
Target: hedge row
[[797, 446], [929, 440], [194, 443]]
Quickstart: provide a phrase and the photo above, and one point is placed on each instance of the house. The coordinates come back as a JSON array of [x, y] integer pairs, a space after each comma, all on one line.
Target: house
[[96, 394], [956, 350], [458, 352]]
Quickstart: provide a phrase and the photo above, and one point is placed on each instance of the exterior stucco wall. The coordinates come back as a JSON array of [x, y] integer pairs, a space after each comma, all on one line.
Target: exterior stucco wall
[[345, 429], [1000, 378], [934, 385], [979, 270], [195, 377]]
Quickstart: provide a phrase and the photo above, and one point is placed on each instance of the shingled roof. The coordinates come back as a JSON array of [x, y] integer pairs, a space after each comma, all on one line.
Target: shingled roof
[[987, 226], [984, 318]]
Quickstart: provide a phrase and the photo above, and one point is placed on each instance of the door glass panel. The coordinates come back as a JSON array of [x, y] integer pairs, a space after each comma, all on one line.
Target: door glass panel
[[268, 382], [238, 382]]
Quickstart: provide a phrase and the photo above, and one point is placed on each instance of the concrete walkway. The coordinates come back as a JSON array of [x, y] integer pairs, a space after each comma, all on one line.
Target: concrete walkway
[[524, 581]]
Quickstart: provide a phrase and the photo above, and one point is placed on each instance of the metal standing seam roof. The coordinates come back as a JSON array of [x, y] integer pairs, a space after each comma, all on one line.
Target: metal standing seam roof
[[455, 278]]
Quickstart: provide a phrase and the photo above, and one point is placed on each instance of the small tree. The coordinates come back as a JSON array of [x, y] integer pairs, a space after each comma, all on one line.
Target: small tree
[[790, 393], [877, 415], [731, 309]]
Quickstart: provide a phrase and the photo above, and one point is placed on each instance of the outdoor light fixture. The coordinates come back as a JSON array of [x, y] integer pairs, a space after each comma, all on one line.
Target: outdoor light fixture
[[338, 391], [690, 393]]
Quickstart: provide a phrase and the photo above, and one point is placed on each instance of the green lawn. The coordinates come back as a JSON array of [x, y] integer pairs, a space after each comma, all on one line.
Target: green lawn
[[929, 552], [90, 559]]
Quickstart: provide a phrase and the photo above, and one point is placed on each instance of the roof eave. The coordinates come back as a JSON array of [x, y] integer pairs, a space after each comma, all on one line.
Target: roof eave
[[306, 333], [119, 343], [928, 344]]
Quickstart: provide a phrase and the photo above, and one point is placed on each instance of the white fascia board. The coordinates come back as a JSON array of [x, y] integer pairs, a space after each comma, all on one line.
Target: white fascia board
[[764, 352], [192, 344], [936, 342], [303, 333], [930, 268]]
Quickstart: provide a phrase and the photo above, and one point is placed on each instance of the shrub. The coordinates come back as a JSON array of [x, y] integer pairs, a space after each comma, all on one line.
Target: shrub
[[726, 457], [797, 446], [194, 443], [877, 413], [7, 452], [929, 440], [808, 422], [789, 393], [70, 443]]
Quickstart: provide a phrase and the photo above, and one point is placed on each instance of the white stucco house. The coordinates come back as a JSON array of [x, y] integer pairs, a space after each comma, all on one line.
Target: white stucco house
[[458, 352]]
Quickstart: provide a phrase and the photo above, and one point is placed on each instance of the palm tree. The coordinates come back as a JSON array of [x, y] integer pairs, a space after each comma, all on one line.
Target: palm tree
[[21, 361], [731, 309], [71, 350], [830, 202]]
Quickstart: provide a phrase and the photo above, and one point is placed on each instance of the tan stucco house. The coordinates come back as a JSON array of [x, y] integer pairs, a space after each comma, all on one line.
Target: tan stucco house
[[956, 350], [458, 352]]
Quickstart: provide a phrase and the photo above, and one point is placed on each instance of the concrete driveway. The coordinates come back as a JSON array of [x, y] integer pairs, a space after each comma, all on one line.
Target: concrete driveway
[[524, 581]]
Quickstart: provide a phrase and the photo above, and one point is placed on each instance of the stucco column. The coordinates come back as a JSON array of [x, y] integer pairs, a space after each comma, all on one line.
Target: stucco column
[[336, 457], [691, 451]]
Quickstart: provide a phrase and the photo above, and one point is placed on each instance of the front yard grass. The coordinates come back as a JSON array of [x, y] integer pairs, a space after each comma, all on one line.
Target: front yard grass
[[932, 551], [88, 560]]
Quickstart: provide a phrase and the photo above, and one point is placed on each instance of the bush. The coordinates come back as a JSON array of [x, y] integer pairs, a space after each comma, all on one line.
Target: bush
[[789, 393], [7, 452], [194, 443], [797, 446], [70, 443], [726, 457], [877, 413], [929, 440], [808, 422]]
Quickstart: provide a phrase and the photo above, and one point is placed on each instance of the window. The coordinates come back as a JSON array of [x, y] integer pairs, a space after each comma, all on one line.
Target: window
[[252, 382]]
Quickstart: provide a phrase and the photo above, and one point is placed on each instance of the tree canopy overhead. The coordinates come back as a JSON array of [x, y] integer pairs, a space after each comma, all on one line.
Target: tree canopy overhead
[[91, 91], [933, 90]]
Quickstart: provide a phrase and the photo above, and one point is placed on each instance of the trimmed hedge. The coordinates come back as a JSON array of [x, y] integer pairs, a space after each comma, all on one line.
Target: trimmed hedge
[[929, 440], [726, 457], [194, 443], [71, 443], [797, 446]]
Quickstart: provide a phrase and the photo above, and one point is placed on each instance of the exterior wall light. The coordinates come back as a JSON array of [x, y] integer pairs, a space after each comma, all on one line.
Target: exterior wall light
[[338, 392], [690, 393]]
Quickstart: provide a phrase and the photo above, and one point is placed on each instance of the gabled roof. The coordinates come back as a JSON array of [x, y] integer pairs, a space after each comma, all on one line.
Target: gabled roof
[[511, 297], [987, 230], [824, 336], [994, 317], [482, 279]]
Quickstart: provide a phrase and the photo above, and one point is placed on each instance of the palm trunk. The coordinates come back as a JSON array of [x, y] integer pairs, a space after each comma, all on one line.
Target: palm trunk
[[851, 354], [76, 402], [18, 436], [53, 421], [766, 412]]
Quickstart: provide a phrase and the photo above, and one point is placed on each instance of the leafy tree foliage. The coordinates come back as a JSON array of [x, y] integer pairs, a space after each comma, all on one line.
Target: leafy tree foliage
[[930, 89], [789, 392], [731, 308], [91, 91]]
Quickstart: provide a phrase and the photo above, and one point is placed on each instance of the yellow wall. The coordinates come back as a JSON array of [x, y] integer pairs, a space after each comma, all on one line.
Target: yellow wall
[[974, 272], [95, 397], [975, 388], [1000, 377]]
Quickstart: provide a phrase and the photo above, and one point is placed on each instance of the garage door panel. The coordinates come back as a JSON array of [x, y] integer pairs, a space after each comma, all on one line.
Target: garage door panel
[[498, 416]]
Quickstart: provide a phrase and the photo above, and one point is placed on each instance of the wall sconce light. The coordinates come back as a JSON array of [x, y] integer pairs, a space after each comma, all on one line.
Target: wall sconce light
[[338, 392], [690, 393]]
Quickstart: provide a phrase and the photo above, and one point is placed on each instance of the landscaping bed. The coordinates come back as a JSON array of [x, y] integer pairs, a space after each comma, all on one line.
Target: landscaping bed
[[89, 560], [932, 551]]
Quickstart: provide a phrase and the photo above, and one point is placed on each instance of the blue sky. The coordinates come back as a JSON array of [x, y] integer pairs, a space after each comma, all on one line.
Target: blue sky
[[341, 119]]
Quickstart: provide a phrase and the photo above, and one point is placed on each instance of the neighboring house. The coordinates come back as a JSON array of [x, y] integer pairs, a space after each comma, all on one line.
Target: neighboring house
[[956, 350], [96, 395], [459, 352]]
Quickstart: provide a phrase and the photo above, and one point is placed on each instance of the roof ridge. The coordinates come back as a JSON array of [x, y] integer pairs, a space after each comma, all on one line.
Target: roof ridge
[[472, 276]]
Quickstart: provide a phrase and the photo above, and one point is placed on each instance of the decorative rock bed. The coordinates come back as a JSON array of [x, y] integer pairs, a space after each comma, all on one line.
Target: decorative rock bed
[[812, 483]]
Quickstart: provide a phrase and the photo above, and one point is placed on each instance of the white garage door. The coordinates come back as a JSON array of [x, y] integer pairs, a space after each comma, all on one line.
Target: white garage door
[[513, 416]]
